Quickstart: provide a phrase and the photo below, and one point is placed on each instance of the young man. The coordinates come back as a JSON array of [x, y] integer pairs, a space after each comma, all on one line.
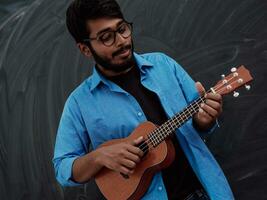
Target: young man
[[125, 90]]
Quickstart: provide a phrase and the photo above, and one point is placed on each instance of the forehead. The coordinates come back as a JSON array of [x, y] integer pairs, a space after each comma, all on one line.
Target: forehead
[[97, 25]]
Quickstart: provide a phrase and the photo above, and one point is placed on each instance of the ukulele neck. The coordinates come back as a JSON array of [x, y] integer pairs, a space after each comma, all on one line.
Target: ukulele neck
[[168, 128]]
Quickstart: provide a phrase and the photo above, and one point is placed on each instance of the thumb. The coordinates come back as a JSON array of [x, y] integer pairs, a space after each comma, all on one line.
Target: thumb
[[138, 140], [201, 90]]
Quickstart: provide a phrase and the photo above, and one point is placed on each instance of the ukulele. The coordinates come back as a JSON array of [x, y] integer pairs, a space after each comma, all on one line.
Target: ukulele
[[158, 149]]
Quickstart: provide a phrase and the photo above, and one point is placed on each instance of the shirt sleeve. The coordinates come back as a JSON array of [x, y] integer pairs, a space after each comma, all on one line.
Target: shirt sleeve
[[189, 90], [72, 141]]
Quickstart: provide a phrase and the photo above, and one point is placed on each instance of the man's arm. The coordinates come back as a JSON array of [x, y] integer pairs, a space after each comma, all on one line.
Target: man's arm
[[85, 167], [73, 164], [72, 142], [205, 119], [121, 157]]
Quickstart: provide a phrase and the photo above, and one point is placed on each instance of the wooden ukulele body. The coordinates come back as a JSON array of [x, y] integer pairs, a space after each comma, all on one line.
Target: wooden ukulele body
[[115, 186]]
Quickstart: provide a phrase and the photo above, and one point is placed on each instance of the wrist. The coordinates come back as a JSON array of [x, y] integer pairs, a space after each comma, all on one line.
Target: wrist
[[98, 157], [202, 127]]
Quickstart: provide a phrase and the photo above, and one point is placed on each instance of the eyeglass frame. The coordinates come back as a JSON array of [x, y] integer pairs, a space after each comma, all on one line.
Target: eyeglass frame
[[129, 24]]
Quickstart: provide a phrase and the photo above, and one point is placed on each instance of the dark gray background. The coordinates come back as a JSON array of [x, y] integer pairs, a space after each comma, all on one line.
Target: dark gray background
[[40, 65]]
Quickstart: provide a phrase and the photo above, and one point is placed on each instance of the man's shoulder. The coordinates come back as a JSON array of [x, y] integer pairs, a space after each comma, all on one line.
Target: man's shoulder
[[158, 58], [80, 90], [152, 56], [160, 61]]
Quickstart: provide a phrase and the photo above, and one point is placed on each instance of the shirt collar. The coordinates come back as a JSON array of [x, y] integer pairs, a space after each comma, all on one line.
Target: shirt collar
[[97, 77]]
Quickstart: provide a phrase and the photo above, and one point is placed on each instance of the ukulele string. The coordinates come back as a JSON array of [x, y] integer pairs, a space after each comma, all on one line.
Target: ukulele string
[[145, 146], [154, 137]]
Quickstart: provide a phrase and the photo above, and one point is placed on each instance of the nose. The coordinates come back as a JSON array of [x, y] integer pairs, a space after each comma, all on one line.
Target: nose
[[119, 40]]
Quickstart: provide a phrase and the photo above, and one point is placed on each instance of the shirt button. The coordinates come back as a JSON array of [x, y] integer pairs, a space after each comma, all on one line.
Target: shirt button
[[159, 188], [139, 114]]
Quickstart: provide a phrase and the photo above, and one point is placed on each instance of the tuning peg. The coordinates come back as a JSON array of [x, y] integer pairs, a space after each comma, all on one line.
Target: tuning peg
[[240, 81], [233, 69], [235, 74], [223, 76], [224, 81], [247, 87], [228, 87], [236, 94]]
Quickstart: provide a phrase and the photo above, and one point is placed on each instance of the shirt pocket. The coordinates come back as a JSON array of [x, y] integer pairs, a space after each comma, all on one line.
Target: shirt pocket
[[114, 121]]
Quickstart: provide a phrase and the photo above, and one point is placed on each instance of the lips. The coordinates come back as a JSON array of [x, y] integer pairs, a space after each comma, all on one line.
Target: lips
[[123, 51]]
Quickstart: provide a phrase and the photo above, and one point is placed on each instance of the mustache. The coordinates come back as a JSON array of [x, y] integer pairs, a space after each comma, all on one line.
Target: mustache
[[119, 51]]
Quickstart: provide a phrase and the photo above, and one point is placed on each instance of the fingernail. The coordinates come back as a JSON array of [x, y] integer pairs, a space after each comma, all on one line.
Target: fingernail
[[202, 105], [200, 110]]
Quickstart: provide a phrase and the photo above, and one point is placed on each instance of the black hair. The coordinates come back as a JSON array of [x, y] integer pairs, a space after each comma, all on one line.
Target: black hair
[[80, 11]]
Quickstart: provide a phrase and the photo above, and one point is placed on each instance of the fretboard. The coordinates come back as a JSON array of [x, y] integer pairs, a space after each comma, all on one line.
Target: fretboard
[[166, 129]]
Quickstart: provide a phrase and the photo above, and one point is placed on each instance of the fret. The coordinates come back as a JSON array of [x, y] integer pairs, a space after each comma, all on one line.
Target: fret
[[167, 128], [151, 140]]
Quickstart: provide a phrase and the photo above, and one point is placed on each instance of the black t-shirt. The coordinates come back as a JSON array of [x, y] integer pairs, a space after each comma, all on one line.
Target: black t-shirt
[[179, 178]]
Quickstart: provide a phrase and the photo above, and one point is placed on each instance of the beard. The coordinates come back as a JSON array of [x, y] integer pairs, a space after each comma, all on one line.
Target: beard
[[107, 63]]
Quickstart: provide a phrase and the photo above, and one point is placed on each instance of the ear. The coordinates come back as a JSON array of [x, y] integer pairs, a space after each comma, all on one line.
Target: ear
[[84, 49]]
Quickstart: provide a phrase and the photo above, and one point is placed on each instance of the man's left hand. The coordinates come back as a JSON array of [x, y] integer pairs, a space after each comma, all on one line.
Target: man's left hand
[[205, 118]]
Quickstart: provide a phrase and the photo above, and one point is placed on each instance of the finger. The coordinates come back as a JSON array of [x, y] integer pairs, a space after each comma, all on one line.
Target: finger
[[203, 115], [209, 110], [201, 90], [132, 157], [135, 144], [128, 163], [135, 150], [215, 97], [138, 140], [125, 170], [214, 104]]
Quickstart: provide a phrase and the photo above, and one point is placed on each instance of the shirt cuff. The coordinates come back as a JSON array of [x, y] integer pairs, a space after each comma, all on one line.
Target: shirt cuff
[[65, 176], [207, 132]]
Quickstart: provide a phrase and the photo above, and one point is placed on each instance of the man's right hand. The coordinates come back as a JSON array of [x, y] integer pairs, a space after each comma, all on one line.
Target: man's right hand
[[121, 157]]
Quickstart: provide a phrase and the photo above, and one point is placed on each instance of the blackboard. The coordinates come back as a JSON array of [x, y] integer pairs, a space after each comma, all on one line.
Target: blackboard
[[40, 65]]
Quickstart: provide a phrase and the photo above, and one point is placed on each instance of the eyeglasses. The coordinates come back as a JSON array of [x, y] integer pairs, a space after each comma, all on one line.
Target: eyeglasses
[[108, 38]]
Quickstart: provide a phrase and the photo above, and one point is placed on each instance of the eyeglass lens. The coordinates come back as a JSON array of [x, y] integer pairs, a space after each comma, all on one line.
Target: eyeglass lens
[[108, 38]]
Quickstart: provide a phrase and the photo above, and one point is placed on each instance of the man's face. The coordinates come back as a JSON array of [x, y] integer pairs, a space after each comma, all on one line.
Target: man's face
[[119, 56]]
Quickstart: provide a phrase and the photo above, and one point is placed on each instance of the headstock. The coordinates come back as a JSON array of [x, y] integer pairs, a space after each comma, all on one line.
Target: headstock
[[238, 77]]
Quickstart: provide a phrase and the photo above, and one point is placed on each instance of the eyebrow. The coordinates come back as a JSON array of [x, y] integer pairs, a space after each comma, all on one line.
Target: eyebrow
[[108, 29]]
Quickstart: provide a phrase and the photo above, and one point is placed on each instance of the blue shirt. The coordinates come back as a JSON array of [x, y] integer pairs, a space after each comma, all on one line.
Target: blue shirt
[[99, 110]]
